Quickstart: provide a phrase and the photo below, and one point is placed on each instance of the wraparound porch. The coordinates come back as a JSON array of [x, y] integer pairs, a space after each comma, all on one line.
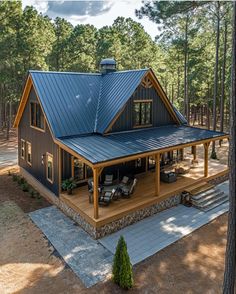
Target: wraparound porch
[[143, 196]]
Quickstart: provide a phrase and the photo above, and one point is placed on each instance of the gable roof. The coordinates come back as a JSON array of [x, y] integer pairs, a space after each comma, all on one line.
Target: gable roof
[[85, 103]]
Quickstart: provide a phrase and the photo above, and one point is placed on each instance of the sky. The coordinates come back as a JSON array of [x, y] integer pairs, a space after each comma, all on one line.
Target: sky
[[98, 13]]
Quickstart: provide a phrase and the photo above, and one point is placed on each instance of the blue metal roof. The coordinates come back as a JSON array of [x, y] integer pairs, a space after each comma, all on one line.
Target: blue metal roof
[[97, 148], [69, 100], [83, 103], [116, 89], [180, 116]]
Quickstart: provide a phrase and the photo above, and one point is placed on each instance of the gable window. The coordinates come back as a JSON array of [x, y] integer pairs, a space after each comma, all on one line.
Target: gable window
[[29, 155], [142, 113], [36, 116], [22, 148], [49, 167]]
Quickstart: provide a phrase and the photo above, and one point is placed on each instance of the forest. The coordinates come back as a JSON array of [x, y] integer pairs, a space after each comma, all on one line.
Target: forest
[[191, 55]]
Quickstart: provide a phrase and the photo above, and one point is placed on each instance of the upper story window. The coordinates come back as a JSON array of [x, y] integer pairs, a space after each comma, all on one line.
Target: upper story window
[[36, 116], [22, 148], [142, 113], [29, 153], [49, 167]]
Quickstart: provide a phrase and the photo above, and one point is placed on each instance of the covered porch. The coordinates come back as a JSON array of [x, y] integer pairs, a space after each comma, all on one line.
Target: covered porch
[[150, 189], [143, 196]]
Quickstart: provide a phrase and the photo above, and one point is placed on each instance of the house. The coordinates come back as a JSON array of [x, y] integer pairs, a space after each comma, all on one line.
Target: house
[[119, 123]]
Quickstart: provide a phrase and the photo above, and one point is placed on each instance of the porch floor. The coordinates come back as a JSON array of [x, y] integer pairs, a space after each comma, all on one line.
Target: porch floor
[[143, 196]]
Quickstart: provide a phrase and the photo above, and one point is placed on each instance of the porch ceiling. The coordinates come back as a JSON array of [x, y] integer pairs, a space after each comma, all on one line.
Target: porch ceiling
[[99, 149]]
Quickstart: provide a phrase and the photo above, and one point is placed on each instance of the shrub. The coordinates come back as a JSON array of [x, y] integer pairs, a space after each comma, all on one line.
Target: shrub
[[25, 187], [14, 177], [122, 269], [21, 180], [32, 193]]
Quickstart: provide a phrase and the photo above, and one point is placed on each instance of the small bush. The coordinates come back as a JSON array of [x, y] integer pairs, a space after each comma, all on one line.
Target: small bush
[[14, 177], [32, 193], [38, 196], [25, 187], [122, 269]]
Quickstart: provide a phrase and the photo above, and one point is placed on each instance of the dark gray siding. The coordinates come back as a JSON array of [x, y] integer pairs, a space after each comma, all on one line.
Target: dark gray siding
[[41, 143], [160, 115]]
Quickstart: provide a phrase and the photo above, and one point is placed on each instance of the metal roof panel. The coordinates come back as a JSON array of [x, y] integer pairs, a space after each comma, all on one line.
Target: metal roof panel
[[98, 148]]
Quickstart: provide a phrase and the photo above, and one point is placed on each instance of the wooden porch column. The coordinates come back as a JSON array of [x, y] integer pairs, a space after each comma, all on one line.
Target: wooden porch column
[[95, 192], [206, 147], [181, 151], [157, 175]]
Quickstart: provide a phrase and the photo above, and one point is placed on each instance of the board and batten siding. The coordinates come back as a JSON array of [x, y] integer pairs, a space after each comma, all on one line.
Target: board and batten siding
[[41, 143], [160, 115]]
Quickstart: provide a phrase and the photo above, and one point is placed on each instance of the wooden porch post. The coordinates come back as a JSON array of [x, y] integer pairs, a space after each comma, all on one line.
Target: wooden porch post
[[157, 175], [181, 151], [206, 147], [95, 192]]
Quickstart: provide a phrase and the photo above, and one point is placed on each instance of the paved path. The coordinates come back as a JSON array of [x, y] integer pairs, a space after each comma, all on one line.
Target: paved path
[[85, 256], [152, 234]]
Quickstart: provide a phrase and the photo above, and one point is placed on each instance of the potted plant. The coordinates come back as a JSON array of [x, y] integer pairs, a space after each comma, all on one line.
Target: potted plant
[[68, 185]]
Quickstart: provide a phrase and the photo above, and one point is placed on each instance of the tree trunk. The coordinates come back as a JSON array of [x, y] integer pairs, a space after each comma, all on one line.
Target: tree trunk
[[229, 276], [186, 102], [222, 97], [213, 154]]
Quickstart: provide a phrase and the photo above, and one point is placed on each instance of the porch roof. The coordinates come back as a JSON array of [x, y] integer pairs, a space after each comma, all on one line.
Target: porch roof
[[97, 148]]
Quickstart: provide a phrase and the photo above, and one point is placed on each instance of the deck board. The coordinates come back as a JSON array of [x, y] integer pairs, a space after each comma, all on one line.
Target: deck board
[[143, 196]]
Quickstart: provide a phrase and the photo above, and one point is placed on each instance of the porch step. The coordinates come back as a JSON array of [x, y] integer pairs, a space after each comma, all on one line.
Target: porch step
[[198, 188], [206, 193], [215, 204], [206, 201]]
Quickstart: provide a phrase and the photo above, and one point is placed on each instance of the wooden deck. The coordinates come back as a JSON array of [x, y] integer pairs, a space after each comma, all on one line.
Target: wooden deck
[[143, 196]]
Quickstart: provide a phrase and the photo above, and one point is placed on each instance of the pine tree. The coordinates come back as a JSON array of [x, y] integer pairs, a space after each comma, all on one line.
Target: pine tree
[[122, 268]]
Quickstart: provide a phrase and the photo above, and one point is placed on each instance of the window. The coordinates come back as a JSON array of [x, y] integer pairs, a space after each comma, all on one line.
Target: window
[[22, 149], [142, 113], [36, 116], [49, 167], [29, 156]]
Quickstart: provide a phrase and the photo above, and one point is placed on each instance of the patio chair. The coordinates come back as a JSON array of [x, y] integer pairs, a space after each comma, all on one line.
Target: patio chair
[[127, 190], [108, 180], [107, 197]]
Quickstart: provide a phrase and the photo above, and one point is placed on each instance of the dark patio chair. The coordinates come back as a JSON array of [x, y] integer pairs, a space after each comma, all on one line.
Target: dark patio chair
[[127, 190], [108, 180], [107, 197]]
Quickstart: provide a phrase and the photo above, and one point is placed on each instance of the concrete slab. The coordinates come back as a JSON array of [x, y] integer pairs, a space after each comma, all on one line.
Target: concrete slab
[[89, 260], [152, 234]]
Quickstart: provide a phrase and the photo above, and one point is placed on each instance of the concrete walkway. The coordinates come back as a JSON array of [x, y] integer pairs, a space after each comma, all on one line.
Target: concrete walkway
[[152, 234], [89, 260]]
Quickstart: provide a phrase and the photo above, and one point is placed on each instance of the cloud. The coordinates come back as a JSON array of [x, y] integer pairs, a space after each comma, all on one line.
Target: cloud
[[80, 9]]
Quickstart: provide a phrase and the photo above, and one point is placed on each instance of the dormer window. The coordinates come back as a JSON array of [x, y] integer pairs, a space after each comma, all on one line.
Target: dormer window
[[36, 116], [142, 113]]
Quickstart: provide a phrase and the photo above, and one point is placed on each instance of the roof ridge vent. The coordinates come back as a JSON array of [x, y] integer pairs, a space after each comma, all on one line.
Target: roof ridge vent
[[107, 65]]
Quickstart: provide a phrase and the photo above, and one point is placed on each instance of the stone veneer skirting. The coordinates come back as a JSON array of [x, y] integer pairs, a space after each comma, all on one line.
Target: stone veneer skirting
[[116, 225]]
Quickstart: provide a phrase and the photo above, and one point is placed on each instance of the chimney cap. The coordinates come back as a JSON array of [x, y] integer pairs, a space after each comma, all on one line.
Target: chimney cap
[[107, 61]]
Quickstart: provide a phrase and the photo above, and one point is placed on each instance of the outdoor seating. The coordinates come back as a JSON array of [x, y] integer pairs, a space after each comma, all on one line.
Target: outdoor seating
[[168, 177], [107, 197], [127, 190], [108, 180]]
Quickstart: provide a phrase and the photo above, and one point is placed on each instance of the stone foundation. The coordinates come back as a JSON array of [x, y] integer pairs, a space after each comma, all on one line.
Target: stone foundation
[[125, 221], [219, 180]]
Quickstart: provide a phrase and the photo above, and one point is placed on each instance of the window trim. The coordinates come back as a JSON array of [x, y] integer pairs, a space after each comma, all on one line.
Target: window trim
[[22, 141], [151, 113], [49, 180], [44, 121], [27, 153]]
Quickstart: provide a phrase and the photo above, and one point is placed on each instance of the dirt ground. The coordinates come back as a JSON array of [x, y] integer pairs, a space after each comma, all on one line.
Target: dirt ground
[[29, 264]]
